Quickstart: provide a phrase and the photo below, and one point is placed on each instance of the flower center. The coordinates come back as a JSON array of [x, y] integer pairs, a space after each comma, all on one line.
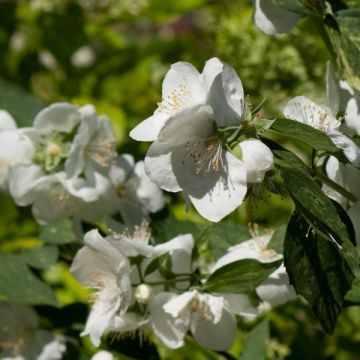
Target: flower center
[[206, 154], [52, 149], [102, 151], [175, 100], [268, 253], [121, 191]]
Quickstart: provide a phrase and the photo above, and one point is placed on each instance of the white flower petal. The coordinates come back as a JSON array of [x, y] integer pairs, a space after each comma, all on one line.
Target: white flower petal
[[182, 87], [239, 304], [176, 305], [221, 192], [189, 124], [150, 194], [22, 182], [257, 158], [99, 320], [109, 253], [226, 96], [351, 150], [60, 117], [352, 117], [7, 122], [304, 110], [219, 336], [166, 158], [276, 289], [335, 171], [86, 263], [149, 129], [272, 19], [180, 249], [121, 168], [168, 330]]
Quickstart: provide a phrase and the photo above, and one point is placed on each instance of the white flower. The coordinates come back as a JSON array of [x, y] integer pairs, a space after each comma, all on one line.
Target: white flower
[[101, 266], [189, 156], [133, 195], [54, 197], [21, 338], [188, 153], [342, 97], [184, 86], [303, 110], [272, 19], [60, 164], [205, 315], [348, 177], [104, 264], [94, 146], [275, 289]]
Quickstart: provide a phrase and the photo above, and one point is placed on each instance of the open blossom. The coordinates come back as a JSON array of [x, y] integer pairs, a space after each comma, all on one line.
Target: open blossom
[[62, 161], [183, 86], [22, 339], [104, 265], [189, 154], [272, 19], [303, 110], [275, 290], [132, 193], [205, 315]]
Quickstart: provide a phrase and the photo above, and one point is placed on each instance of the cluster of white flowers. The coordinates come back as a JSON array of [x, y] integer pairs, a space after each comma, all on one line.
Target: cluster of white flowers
[[204, 144], [66, 165], [342, 99], [22, 339], [145, 287], [190, 150]]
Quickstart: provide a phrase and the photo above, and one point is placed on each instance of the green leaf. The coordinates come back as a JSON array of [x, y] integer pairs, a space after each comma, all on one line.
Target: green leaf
[[255, 346], [318, 269], [22, 106], [347, 45], [19, 284], [155, 264], [41, 257], [353, 296], [58, 233], [310, 199], [292, 129], [290, 158], [223, 235], [240, 276]]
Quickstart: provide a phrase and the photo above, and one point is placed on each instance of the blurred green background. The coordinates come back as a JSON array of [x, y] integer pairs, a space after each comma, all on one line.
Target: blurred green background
[[115, 54]]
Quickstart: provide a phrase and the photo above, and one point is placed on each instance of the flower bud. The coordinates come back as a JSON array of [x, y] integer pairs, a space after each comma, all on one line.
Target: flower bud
[[143, 293]]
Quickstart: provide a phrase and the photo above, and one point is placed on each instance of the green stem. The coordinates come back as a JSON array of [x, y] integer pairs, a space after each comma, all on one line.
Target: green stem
[[339, 189]]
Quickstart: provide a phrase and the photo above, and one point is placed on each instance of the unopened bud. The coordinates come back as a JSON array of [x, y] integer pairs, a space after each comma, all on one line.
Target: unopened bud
[[143, 293]]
